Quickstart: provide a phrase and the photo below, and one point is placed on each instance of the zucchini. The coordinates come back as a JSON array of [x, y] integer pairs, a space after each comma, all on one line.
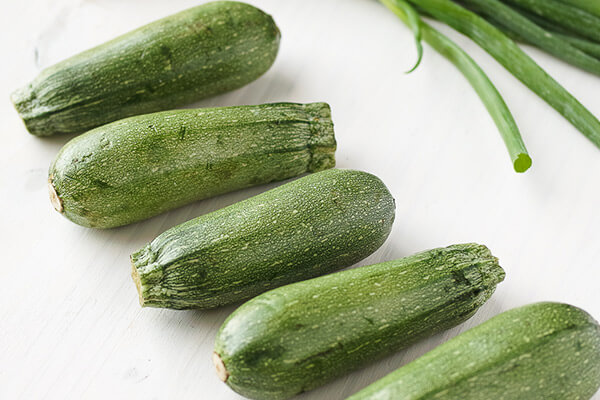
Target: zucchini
[[309, 227], [197, 53], [141, 166], [298, 337], [540, 351]]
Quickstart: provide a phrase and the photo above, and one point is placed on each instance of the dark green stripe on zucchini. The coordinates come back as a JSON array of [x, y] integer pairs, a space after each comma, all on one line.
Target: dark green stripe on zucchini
[[141, 166], [306, 228], [298, 337], [200, 52], [540, 351]]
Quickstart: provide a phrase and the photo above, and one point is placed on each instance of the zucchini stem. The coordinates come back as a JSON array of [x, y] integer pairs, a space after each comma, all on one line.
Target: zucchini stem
[[54, 197], [135, 275], [222, 372]]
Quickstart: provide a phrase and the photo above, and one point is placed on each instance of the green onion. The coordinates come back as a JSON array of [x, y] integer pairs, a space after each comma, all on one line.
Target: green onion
[[533, 34], [591, 48], [575, 19], [508, 53], [547, 25], [591, 6], [413, 21], [477, 78]]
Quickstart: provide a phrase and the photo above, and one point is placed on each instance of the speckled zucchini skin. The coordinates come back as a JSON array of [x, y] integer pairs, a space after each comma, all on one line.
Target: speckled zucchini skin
[[306, 228], [199, 52], [298, 337], [141, 166], [545, 351]]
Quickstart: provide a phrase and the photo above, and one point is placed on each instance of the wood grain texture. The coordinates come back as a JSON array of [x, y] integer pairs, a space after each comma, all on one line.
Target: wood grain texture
[[71, 324]]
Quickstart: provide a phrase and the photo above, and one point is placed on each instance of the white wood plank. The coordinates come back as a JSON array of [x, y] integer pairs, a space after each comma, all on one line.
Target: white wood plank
[[71, 325]]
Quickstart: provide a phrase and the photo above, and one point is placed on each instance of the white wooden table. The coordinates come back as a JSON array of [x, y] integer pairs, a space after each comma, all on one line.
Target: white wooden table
[[70, 323]]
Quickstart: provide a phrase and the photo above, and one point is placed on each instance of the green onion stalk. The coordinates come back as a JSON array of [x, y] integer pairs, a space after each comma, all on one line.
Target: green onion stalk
[[494, 25]]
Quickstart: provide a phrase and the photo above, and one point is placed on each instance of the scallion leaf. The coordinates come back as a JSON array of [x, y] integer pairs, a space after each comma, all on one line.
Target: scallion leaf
[[534, 34], [481, 83], [413, 21], [508, 53], [575, 19], [591, 6]]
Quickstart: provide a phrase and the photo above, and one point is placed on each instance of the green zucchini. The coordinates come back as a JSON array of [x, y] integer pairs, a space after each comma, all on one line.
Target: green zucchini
[[306, 228], [540, 351], [200, 52], [141, 166], [298, 337]]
